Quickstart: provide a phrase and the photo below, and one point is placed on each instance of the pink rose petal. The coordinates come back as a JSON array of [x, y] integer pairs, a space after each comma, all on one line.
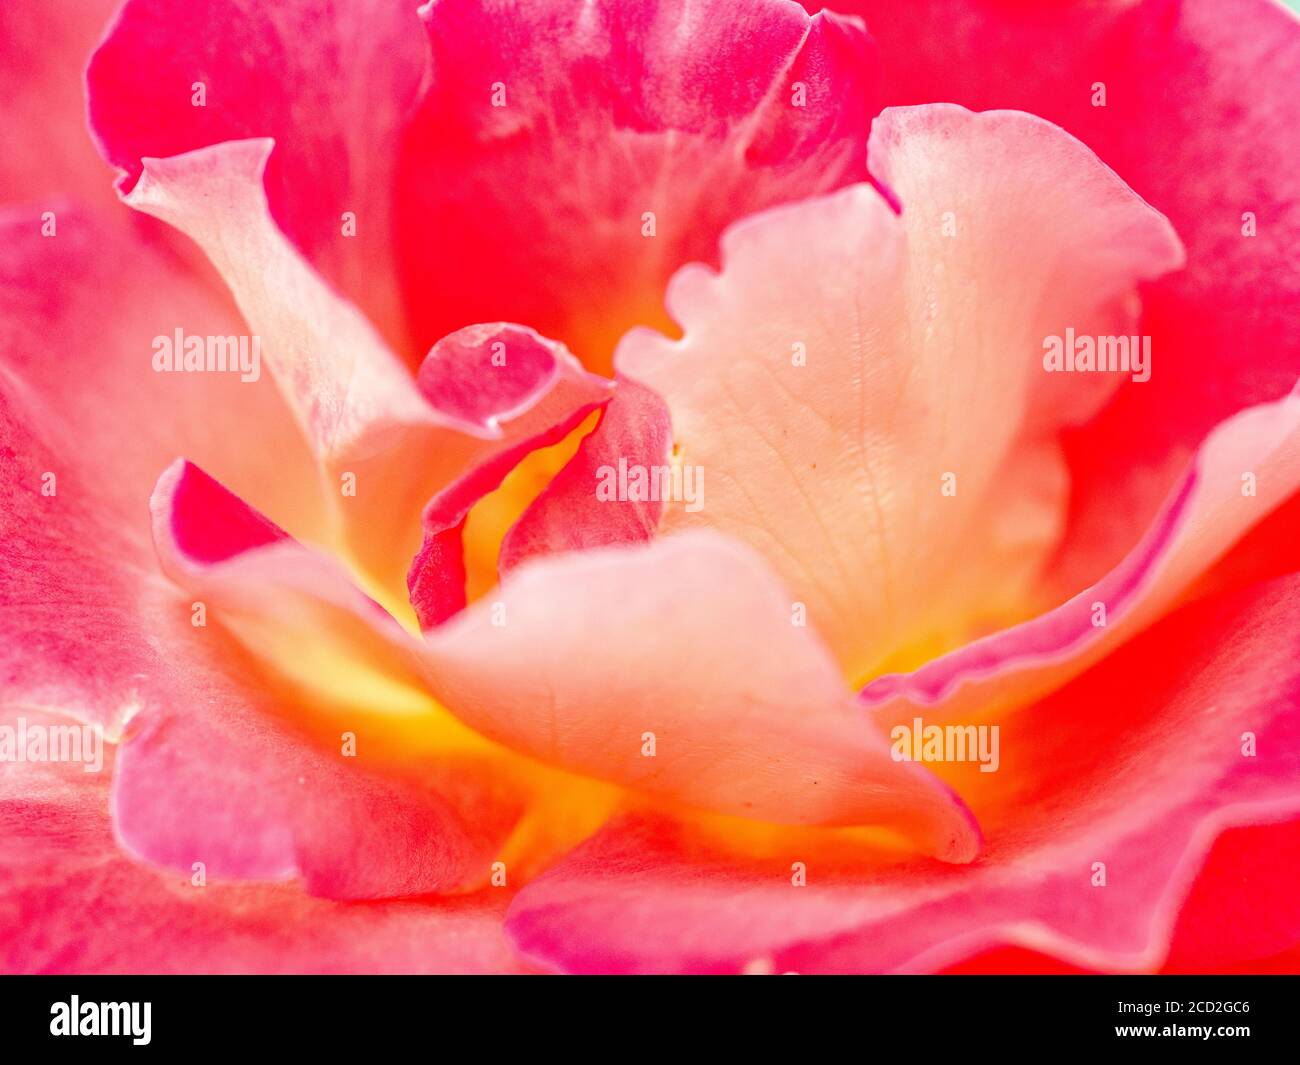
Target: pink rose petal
[[865, 394], [536, 375], [87, 425]]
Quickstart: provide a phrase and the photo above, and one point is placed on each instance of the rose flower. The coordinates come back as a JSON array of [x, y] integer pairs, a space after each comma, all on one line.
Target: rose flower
[[633, 486]]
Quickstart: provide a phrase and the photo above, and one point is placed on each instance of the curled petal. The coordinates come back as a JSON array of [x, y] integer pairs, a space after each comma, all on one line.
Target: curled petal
[[570, 514], [384, 442], [489, 373], [1092, 845], [713, 729], [345, 386]]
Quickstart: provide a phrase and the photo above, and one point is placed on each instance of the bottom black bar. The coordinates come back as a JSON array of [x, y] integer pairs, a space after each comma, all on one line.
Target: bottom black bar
[[1228, 1015]]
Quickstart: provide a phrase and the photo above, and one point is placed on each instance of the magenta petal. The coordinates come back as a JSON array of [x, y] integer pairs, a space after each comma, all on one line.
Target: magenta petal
[[332, 83], [210, 523], [634, 429], [603, 111], [250, 800], [43, 52], [485, 374], [71, 901], [1242, 906]]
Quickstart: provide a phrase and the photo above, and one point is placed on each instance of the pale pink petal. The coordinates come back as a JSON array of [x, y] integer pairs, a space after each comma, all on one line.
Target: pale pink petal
[[1145, 792], [690, 645], [332, 83], [1208, 141], [865, 394], [601, 112]]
